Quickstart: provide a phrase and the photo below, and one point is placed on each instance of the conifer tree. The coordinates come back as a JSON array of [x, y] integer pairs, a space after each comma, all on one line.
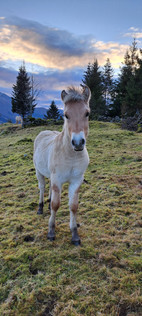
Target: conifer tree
[[93, 78], [88, 77], [126, 94], [138, 78], [52, 112], [23, 102], [108, 82]]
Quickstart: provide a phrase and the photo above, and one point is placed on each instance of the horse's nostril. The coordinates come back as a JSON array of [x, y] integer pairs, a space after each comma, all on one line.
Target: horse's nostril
[[83, 141], [73, 143], [79, 143]]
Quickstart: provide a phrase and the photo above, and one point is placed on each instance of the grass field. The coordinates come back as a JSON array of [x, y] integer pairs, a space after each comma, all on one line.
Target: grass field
[[103, 276]]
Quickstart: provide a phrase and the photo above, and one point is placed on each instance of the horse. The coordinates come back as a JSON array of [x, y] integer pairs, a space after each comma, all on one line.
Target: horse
[[63, 158], [19, 119]]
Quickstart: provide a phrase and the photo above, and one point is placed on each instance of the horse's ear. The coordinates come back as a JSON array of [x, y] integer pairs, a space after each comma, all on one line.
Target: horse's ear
[[63, 95], [86, 93]]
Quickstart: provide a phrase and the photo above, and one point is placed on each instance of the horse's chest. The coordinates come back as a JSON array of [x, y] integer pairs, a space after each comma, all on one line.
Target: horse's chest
[[75, 172], [70, 172], [67, 175]]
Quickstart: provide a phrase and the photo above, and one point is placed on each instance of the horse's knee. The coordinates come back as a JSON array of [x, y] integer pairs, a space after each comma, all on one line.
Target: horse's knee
[[41, 186], [55, 198], [73, 203], [74, 207], [55, 205]]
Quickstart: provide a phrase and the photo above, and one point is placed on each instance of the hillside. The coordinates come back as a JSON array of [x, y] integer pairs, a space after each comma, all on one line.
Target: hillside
[[103, 275]]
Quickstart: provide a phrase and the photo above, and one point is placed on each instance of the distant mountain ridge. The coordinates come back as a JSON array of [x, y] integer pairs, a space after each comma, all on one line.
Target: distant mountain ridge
[[6, 114], [5, 109]]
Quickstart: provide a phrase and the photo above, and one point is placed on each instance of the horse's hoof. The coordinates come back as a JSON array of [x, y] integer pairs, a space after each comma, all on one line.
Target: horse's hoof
[[39, 212], [76, 242], [51, 238]]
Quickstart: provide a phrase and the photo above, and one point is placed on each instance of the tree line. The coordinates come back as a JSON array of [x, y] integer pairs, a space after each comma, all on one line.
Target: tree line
[[111, 97], [116, 97]]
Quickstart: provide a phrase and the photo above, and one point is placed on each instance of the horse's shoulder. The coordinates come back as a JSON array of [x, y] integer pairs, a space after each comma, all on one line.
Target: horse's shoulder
[[45, 138]]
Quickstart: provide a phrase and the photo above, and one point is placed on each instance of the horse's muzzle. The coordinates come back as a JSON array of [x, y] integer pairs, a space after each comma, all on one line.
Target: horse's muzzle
[[78, 141]]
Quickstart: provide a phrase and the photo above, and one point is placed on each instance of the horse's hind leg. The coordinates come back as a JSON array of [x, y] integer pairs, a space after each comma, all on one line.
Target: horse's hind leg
[[49, 200], [41, 184]]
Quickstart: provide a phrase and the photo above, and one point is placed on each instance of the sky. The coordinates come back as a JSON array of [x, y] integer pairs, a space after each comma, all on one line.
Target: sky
[[57, 39]]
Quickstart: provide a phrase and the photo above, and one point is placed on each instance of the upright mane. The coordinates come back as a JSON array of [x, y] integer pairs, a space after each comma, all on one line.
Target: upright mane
[[74, 94]]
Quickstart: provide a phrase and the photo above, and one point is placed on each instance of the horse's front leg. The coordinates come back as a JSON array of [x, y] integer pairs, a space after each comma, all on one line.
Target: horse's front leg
[[73, 205], [55, 203]]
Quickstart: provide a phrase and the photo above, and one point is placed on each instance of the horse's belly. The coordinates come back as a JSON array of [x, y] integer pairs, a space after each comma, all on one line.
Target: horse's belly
[[44, 171], [42, 161], [41, 166]]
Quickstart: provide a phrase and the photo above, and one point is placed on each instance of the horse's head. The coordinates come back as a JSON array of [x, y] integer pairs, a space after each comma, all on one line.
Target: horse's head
[[76, 112]]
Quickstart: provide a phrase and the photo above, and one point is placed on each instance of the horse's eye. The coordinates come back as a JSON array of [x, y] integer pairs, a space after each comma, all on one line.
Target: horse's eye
[[66, 116], [87, 114]]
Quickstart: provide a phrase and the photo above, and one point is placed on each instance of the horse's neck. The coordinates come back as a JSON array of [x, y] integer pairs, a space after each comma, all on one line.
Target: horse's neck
[[66, 141]]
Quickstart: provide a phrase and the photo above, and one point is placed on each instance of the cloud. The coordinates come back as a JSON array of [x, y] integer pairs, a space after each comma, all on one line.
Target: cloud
[[132, 28], [57, 57], [8, 75], [51, 38], [51, 47], [134, 33], [114, 51], [48, 47]]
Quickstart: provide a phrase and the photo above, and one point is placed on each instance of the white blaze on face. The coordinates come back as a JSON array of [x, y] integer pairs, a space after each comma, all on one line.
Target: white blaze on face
[[78, 141]]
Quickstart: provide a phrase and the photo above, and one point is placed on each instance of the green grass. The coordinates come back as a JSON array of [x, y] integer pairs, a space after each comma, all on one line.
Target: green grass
[[104, 275]]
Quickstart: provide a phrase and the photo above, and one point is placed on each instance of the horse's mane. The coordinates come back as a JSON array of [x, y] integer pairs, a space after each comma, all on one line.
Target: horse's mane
[[74, 94]]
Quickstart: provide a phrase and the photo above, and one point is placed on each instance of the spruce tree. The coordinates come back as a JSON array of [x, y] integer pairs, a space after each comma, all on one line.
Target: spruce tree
[[93, 78], [108, 82], [138, 80], [88, 77], [121, 89], [52, 112], [23, 101], [126, 94], [115, 108]]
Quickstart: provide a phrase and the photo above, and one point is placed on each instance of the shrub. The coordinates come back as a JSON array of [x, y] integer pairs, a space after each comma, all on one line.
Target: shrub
[[31, 121], [133, 123]]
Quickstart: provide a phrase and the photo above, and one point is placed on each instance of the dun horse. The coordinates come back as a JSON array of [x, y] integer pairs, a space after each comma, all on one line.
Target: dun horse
[[63, 157]]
